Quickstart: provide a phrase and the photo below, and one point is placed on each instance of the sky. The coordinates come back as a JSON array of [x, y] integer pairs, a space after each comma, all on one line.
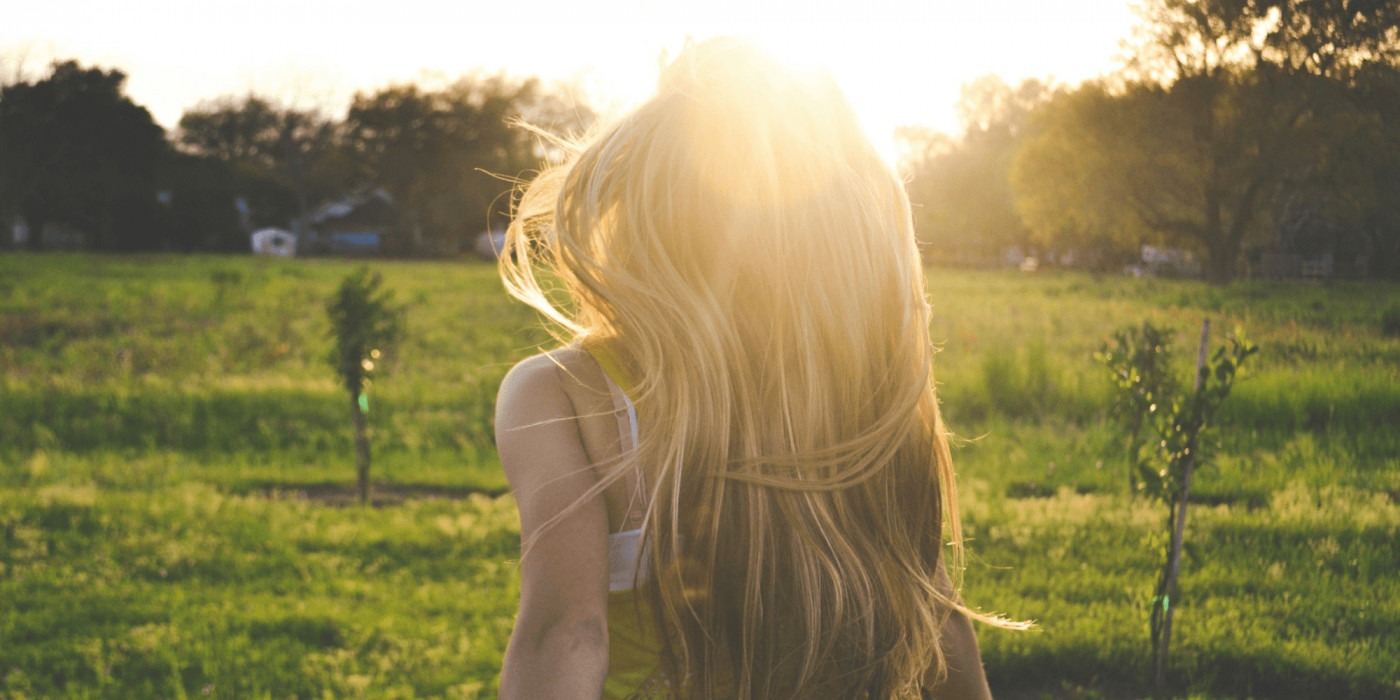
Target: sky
[[899, 61]]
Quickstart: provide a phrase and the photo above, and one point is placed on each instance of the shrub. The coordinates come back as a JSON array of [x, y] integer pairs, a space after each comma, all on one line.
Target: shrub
[[1390, 320]]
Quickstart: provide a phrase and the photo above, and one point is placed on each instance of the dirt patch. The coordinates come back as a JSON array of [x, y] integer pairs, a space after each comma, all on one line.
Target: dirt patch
[[381, 495]]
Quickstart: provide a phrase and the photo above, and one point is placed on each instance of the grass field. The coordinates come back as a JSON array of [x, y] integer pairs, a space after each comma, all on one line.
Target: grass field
[[176, 475]]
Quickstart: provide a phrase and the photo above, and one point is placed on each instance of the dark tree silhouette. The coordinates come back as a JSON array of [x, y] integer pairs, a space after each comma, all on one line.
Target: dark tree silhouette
[[201, 213], [75, 150], [283, 160], [447, 156]]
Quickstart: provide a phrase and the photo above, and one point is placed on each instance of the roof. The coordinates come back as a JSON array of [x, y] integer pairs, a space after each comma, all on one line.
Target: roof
[[347, 205]]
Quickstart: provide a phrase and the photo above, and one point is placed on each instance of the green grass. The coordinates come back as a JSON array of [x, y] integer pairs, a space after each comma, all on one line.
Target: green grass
[[184, 589], [176, 474]]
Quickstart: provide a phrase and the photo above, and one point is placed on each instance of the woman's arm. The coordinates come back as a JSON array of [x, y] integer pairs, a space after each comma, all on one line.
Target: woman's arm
[[966, 680], [559, 648]]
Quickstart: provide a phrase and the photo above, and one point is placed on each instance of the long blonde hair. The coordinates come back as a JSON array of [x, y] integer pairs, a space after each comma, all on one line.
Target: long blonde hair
[[739, 245]]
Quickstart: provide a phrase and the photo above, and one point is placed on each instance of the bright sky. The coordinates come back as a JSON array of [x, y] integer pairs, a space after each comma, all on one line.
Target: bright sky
[[900, 61]]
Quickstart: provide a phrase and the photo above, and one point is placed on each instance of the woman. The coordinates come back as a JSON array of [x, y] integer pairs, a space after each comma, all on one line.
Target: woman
[[732, 478]]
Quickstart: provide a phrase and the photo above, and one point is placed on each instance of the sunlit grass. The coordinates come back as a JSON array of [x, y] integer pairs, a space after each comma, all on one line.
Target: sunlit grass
[[188, 590], [176, 469], [1290, 599]]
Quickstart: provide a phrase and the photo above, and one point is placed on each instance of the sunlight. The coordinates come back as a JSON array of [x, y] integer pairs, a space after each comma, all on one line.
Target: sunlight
[[859, 57], [849, 59]]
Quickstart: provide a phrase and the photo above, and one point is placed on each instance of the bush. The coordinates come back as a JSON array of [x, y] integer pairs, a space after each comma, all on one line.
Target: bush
[[1390, 320]]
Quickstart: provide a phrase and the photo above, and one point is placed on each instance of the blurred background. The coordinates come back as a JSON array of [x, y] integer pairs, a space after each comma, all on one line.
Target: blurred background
[[1211, 139]]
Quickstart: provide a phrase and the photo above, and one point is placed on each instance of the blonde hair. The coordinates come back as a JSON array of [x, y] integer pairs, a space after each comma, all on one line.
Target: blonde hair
[[738, 244]]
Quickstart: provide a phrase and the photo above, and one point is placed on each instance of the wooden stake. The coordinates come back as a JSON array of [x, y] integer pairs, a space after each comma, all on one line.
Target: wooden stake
[[1179, 526], [357, 418]]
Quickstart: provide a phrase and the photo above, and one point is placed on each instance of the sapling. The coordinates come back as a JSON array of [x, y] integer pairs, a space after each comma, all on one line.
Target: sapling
[[364, 322], [1165, 426]]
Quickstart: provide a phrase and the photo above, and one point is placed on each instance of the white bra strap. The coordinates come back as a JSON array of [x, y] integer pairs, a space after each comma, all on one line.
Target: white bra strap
[[629, 438], [629, 407]]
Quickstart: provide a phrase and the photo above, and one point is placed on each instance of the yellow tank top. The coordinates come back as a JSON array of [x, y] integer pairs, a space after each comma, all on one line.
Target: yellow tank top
[[633, 660]]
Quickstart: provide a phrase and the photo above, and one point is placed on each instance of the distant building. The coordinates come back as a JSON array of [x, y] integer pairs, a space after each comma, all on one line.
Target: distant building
[[354, 242], [1165, 262], [57, 235], [19, 231], [275, 242], [357, 224], [1280, 264]]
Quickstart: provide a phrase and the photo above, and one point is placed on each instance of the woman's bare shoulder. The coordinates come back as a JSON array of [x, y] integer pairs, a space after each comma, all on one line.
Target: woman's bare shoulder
[[536, 420], [559, 375], [567, 371]]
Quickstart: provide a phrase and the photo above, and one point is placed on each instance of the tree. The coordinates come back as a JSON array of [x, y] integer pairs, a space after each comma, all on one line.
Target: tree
[[283, 159], [74, 149], [1067, 176], [199, 207], [1188, 165], [1371, 187], [364, 321], [962, 186], [447, 156], [1342, 204], [1222, 101]]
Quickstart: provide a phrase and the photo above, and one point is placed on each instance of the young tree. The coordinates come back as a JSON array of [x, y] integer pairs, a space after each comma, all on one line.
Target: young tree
[[364, 322], [1165, 444]]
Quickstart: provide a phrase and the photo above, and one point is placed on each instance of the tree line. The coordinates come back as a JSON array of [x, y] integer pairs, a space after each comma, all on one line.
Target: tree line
[[78, 155], [1246, 132], [1250, 134]]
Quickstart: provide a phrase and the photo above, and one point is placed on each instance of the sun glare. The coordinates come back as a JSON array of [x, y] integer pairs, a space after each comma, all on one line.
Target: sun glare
[[849, 54], [846, 61]]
